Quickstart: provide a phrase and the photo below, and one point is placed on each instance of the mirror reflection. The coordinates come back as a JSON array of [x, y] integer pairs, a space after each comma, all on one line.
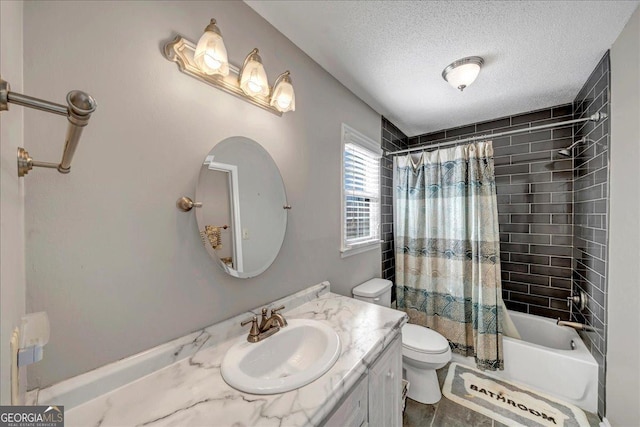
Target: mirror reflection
[[242, 220]]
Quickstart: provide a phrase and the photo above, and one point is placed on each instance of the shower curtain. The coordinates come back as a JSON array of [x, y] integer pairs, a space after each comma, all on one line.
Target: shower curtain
[[448, 248]]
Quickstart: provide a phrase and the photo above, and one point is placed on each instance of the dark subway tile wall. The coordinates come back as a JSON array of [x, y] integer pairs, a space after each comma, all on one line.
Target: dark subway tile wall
[[535, 206], [590, 215], [392, 139]]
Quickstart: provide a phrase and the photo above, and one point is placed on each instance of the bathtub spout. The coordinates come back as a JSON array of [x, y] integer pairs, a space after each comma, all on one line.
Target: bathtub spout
[[575, 325]]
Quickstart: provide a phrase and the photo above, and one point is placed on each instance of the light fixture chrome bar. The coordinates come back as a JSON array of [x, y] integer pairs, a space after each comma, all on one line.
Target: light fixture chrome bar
[[594, 118], [181, 51], [80, 106]]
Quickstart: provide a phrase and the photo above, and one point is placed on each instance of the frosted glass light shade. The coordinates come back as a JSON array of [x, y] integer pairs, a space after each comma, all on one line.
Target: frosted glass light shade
[[253, 78], [211, 54], [463, 72], [283, 97]]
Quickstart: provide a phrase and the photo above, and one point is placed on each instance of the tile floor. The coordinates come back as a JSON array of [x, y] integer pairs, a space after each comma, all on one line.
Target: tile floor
[[449, 414]]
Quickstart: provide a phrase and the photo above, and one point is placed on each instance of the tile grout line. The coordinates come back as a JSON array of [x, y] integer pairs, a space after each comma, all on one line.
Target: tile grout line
[[433, 418]]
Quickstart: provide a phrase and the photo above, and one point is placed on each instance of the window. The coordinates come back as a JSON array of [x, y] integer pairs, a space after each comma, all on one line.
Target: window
[[360, 192]]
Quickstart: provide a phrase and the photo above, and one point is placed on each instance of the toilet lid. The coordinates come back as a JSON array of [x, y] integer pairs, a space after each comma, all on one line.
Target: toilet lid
[[423, 340]]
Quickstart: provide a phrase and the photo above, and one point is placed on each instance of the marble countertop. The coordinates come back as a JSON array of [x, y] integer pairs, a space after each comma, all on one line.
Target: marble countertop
[[192, 392]]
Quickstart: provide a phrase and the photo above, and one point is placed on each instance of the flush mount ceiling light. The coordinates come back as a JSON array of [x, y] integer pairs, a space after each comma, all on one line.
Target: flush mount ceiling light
[[463, 72], [207, 62]]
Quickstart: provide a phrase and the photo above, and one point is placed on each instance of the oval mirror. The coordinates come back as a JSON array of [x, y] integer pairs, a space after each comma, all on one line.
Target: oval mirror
[[242, 220]]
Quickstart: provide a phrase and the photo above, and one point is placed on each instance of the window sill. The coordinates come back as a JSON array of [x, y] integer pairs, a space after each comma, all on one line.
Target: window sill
[[365, 247]]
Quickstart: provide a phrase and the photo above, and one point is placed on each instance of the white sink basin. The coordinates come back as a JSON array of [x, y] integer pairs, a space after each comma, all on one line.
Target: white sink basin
[[291, 358]]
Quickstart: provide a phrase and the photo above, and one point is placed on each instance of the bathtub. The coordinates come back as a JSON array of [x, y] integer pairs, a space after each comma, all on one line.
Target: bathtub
[[549, 358]]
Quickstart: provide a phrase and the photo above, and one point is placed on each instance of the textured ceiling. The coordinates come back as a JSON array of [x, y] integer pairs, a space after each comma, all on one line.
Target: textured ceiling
[[391, 53]]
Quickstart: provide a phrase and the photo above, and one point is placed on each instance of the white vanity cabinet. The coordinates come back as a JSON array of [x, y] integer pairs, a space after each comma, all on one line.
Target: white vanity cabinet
[[385, 387], [375, 401], [354, 409]]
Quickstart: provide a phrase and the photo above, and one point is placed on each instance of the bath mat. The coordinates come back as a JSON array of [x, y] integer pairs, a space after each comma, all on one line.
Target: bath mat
[[508, 403]]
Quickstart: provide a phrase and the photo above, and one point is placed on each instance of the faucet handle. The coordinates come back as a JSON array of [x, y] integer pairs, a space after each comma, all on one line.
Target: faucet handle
[[246, 322], [275, 310], [255, 331]]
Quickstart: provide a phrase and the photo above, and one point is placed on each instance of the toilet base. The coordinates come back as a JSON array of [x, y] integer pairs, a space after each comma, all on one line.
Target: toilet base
[[424, 387]]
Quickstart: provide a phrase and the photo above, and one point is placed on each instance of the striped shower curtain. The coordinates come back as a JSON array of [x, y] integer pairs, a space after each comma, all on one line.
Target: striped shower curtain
[[448, 248]]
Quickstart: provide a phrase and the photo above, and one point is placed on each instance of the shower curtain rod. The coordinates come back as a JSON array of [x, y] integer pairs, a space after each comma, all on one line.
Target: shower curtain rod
[[595, 117]]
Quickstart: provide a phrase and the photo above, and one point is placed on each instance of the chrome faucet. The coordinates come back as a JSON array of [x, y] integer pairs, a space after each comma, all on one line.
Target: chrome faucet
[[268, 325]]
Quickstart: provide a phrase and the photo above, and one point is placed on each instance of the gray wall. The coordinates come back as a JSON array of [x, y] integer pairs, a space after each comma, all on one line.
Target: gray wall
[[118, 268], [12, 277], [623, 352]]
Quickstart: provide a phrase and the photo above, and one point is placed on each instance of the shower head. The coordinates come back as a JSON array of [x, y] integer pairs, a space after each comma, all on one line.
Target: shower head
[[566, 152]]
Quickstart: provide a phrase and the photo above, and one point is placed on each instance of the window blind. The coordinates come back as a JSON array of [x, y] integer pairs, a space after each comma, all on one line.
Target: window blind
[[361, 192]]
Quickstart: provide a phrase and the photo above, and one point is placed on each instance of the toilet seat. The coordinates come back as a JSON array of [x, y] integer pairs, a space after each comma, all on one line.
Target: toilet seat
[[423, 340]]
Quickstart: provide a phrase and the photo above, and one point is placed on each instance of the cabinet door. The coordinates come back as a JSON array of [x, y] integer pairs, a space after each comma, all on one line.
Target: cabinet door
[[385, 387], [352, 412]]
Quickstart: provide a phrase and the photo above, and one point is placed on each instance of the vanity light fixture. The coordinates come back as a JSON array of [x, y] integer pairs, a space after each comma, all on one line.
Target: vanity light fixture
[[207, 61], [253, 79], [463, 72], [211, 54], [283, 97]]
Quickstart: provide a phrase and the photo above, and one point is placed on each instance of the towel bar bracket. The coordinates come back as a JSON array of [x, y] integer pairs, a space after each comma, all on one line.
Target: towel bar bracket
[[4, 95], [80, 106]]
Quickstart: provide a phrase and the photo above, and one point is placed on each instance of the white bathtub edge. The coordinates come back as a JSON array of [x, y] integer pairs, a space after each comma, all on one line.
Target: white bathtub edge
[[548, 370]]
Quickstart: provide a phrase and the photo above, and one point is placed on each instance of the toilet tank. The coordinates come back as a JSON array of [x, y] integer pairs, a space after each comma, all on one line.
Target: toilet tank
[[375, 291]]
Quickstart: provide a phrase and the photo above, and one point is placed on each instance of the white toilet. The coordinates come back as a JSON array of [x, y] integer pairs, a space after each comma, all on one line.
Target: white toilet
[[423, 349]]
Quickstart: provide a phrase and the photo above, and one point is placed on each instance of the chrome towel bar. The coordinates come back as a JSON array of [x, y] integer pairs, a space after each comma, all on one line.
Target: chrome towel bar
[[80, 106]]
